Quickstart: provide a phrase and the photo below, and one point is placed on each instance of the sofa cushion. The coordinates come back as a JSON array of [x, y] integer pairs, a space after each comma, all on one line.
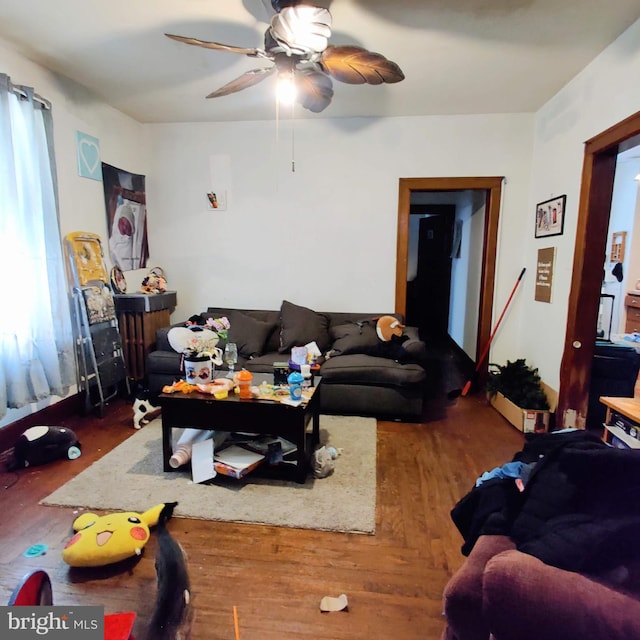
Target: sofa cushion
[[363, 369], [250, 334], [300, 325]]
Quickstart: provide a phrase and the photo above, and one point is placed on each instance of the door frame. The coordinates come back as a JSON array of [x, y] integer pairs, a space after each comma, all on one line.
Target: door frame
[[493, 188], [594, 210]]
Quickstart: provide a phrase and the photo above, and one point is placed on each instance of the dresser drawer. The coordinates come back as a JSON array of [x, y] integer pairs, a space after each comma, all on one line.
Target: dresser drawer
[[632, 307], [632, 301], [632, 326]]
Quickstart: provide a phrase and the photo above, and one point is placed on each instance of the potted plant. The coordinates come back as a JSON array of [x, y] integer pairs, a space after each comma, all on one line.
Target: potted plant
[[516, 391]]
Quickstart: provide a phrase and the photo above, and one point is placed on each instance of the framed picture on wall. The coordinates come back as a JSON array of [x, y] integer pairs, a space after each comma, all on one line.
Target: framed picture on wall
[[550, 217]]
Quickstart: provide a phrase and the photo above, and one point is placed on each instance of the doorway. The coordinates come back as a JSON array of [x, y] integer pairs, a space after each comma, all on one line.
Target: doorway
[[493, 188], [594, 209], [429, 276]]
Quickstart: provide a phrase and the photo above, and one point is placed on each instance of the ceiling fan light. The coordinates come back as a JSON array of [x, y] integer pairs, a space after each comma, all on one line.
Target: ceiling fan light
[[286, 89], [302, 29]]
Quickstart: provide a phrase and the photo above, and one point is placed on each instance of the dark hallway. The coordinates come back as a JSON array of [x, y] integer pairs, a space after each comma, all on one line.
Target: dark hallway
[[449, 368], [429, 279]]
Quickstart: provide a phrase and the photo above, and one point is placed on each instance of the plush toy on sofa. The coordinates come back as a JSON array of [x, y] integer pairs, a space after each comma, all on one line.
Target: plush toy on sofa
[[387, 327], [102, 540], [391, 337]]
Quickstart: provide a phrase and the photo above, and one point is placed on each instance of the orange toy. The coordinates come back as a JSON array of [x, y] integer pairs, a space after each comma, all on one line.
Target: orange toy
[[182, 386], [387, 327]]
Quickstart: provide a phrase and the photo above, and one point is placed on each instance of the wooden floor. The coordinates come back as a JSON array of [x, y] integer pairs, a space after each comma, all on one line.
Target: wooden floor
[[276, 577]]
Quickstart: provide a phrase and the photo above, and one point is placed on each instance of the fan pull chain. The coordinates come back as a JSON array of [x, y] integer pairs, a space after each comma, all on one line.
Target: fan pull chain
[[293, 144], [293, 138], [277, 141]]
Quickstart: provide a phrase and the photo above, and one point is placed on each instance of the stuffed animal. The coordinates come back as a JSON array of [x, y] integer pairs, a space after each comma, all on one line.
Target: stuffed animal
[[391, 336], [322, 461], [153, 283], [387, 327], [172, 613], [39, 445], [102, 540]]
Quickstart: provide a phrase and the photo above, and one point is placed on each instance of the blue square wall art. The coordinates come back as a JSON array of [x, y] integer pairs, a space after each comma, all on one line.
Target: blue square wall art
[[88, 149]]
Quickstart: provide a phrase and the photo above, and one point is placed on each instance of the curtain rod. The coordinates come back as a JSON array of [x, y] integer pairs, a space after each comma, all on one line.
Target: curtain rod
[[21, 93]]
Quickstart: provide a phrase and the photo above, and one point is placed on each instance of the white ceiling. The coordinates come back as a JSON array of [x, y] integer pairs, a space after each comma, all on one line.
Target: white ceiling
[[458, 56]]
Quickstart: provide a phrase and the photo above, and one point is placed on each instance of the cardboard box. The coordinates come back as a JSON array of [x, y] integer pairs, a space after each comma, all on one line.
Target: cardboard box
[[526, 420]]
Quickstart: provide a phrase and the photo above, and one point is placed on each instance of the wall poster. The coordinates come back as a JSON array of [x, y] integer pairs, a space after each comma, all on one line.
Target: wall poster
[[125, 201], [544, 274]]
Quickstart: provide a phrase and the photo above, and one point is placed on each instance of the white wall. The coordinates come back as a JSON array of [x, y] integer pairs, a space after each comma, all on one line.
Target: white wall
[[74, 108], [324, 236], [601, 95], [466, 276]]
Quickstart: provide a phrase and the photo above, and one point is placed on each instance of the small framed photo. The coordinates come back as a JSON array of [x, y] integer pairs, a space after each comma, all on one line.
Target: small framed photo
[[550, 217]]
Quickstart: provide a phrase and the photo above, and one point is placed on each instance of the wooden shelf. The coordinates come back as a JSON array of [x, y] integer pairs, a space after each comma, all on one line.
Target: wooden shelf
[[627, 407], [621, 434]]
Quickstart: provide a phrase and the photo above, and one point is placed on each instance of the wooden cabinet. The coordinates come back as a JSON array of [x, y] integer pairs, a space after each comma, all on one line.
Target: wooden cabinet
[[632, 308], [629, 408], [139, 318]]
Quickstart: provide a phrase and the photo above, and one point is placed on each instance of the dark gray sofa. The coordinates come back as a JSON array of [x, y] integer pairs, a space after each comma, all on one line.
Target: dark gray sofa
[[361, 376]]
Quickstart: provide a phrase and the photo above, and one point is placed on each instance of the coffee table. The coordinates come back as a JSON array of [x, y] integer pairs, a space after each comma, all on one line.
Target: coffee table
[[253, 415]]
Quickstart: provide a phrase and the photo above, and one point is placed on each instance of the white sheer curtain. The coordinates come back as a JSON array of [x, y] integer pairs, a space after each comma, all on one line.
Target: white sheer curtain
[[36, 343]]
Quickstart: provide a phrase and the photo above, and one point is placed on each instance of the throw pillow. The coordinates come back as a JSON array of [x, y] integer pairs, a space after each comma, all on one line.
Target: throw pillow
[[353, 338], [248, 333], [300, 325]]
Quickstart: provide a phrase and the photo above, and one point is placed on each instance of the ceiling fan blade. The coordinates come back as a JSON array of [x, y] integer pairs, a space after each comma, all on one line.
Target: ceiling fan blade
[[302, 29], [218, 46], [315, 90], [246, 80], [355, 65]]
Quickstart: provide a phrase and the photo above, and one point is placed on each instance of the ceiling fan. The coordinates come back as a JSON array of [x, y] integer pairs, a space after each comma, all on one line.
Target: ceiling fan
[[296, 42]]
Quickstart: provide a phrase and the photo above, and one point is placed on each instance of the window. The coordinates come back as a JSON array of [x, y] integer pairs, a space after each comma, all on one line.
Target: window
[[36, 342]]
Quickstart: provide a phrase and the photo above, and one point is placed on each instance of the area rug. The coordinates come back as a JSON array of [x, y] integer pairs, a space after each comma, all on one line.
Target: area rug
[[130, 478]]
